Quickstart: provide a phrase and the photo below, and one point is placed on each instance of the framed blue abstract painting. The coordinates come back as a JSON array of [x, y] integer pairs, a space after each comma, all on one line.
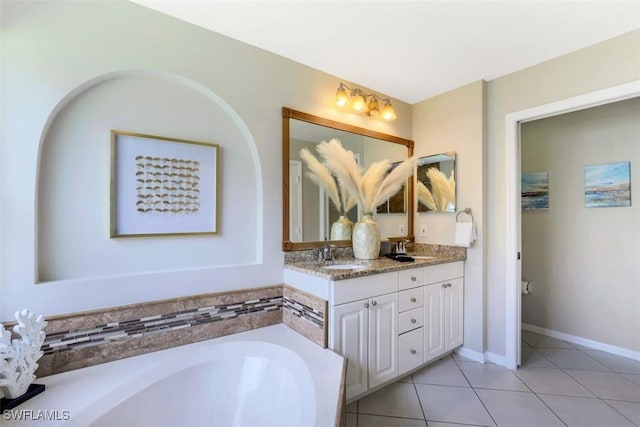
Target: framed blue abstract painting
[[607, 185], [535, 191]]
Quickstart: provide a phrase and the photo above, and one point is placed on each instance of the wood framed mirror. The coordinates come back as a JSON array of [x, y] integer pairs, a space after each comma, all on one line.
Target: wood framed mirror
[[306, 214]]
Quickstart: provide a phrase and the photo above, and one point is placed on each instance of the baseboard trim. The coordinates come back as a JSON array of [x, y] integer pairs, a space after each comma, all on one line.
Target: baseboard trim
[[476, 356], [497, 359], [485, 357], [573, 339]]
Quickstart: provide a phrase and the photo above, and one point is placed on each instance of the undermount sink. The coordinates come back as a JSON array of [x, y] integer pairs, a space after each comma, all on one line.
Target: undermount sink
[[343, 266]]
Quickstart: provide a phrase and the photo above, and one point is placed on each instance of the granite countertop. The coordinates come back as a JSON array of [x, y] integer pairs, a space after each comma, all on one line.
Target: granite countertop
[[376, 266]]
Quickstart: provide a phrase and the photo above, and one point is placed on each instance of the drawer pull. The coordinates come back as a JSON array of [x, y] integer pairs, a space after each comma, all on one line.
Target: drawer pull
[[446, 285], [413, 320], [413, 299], [366, 305], [373, 303], [414, 278], [413, 352]]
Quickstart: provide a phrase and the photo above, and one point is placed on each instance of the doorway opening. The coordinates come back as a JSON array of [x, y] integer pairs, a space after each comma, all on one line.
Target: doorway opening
[[513, 203]]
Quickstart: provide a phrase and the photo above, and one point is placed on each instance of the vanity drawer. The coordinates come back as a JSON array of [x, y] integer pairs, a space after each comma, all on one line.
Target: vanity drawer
[[410, 350], [410, 299], [410, 278], [410, 320], [343, 291], [441, 272]]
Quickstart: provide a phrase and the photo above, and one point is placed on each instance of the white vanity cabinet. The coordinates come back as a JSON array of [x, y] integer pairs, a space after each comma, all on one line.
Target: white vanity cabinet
[[366, 330], [438, 292], [392, 323]]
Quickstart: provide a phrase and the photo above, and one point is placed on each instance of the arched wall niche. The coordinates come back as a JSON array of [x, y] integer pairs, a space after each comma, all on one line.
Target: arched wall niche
[[73, 178]]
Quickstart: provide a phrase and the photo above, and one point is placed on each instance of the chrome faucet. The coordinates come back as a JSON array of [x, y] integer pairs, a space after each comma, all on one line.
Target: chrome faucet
[[326, 253], [402, 249]]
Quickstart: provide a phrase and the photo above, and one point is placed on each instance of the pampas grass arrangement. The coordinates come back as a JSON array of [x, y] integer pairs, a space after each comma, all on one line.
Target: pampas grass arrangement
[[368, 189], [425, 197], [319, 174], [443, 192]]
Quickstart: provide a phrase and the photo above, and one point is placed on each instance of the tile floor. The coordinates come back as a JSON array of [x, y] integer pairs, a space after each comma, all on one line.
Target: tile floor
[[559, 384]]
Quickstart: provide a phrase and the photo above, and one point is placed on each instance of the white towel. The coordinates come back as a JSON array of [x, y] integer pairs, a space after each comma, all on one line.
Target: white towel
[[465, 233]]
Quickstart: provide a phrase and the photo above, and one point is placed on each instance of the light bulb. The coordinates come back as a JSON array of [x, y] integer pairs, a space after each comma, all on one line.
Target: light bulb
[[374, 109], [358, 101], [342, 98], [387, 111]]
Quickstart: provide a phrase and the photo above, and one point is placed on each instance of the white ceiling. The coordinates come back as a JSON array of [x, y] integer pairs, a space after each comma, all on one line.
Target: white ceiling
[[412, 50]]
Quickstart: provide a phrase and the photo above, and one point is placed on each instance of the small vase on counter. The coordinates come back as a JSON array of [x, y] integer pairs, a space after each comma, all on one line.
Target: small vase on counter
[[341, 229], [366, 238]]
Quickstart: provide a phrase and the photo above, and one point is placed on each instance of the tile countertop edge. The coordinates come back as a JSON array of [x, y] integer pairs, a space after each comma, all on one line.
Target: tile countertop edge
[[370, 267]]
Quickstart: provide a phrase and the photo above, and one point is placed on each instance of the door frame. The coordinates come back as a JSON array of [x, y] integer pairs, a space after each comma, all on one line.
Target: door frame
[[513, 248], [296, 211]]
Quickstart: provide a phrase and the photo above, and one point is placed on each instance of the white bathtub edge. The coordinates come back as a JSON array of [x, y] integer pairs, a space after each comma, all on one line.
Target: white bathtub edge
[[99, 381]]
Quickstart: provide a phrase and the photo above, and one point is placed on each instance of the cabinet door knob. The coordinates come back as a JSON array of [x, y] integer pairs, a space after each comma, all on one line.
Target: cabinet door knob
[[366, 305], [414, 278], [373, 303], [413, 299], [413, 352], [413, 320]]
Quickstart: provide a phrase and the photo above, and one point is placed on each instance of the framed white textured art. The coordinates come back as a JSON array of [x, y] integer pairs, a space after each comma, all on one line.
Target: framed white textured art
[[162, 186]]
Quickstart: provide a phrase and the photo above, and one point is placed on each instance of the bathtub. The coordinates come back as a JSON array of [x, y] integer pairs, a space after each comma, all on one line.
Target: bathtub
[[266, 377]]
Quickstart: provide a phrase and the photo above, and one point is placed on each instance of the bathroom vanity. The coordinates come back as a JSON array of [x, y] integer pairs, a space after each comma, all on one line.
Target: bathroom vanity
[[388, 318]]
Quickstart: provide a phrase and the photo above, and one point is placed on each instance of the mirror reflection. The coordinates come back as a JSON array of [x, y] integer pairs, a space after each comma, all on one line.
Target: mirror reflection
[[309, 212], [313, 220], [436, 183]]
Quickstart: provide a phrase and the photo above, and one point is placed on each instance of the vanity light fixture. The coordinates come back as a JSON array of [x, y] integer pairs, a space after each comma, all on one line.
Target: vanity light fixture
[[358, 100]]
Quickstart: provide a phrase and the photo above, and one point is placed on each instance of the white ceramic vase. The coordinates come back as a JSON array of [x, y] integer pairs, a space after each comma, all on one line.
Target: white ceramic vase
[[341, 229], [366, 238]]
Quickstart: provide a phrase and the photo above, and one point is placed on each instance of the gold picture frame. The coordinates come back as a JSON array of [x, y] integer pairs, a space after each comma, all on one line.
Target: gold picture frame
[[162, 186]]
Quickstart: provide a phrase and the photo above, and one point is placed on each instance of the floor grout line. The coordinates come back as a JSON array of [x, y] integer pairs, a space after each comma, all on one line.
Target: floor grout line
[[477, 396], [595, 396], [424, 414], [618, 412], [552, 365]]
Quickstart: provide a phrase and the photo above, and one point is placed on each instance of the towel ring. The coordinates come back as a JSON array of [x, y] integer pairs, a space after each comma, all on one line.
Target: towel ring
[[468, 212]]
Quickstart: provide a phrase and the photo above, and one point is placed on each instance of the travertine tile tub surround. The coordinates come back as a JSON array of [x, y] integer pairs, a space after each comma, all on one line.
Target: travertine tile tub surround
[[305, 314], [89, 338]]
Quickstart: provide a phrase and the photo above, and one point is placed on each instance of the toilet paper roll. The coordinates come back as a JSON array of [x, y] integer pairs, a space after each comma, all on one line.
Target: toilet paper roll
[[525, 287]]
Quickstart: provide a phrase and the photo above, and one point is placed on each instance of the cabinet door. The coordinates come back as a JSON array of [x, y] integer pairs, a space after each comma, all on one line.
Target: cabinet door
[[383, 339], [350, 326], [434, 318], [454, 323]]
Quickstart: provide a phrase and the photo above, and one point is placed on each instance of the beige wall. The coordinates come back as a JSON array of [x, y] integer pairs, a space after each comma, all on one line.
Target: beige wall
[[53, 53], [454, 121], [583, 262], [607, 64], [51, 50]]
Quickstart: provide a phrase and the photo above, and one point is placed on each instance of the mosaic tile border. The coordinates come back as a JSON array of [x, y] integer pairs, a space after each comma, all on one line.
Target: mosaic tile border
[[150, 325], [304, 312], [78, 340]]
